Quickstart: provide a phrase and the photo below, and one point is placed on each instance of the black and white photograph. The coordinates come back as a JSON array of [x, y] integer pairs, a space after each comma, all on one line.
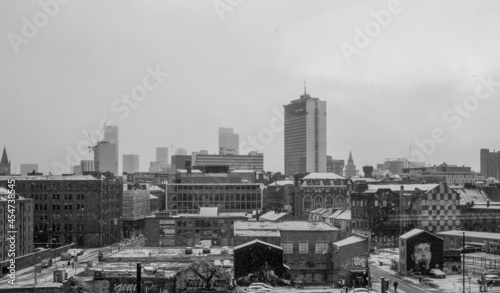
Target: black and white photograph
[[249, 146]]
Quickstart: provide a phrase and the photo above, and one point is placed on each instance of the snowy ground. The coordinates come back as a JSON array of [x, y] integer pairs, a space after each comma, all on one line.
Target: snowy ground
[[452, 282]]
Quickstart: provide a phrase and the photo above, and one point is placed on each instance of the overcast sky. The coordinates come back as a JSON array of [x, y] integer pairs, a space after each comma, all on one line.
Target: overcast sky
[[391, 73]]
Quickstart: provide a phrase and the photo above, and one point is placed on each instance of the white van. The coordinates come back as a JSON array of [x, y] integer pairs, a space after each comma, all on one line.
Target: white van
[[204, 244]]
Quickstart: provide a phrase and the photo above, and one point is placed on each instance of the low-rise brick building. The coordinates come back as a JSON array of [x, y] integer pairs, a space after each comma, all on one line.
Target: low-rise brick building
[[350, 261]]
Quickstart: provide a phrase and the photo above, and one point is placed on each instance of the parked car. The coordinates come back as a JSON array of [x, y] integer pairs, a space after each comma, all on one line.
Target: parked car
[[224, 250], [490, 280], [217, 263], [189, 250], [66, 256], [468, 249], [38, 249], [206, 250], [75, 251], [227, 263], [47, 262], [435, 273]]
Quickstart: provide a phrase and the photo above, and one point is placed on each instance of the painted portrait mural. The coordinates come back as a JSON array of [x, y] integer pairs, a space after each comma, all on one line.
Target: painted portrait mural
[[424, 252]]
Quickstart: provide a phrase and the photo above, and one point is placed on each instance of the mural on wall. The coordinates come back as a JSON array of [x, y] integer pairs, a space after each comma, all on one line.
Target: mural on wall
[[424, 252]]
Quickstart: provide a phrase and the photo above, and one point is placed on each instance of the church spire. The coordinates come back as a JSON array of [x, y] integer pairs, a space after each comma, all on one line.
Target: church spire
[[350, 157], [5, 159]]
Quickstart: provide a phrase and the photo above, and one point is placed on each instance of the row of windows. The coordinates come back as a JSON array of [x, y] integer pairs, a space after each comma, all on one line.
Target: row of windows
[[216, 197], [58, 196], [326, 182], [57, 207], [56, 227], [226, 205], [212, 187], [303, 248]]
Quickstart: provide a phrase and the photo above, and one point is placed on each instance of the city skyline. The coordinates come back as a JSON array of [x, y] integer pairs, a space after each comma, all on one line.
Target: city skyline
[[396, 86]]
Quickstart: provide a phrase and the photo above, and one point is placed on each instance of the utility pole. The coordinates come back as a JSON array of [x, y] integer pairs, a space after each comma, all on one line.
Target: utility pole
[[463, 261], [138, 287]]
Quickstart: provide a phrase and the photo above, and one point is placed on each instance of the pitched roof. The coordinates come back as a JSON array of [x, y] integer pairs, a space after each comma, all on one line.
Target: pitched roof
[[255, 242], [350, 240], [415, 232], [273, 216], [323, 176], [281, 183], [397, 187], [471, 194]]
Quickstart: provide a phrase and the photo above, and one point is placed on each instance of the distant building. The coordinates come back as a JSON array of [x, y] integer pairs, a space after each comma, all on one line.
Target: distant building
[[280, 195], [180, 162], [171, 229], [87, 165], [306, 245], [320, 190], [252, 161], [28, 168], [350, 169], [229, 197], [106, 151], [490, 163], [161, 163], [335, 166], [22, 208], [383, 211], [453, 174], [135, 207], [180, 152], [77, 170], [229, 142], [368, 171], [305, 135], [4, 163], [130, 163], [398, 165], [84, 209]]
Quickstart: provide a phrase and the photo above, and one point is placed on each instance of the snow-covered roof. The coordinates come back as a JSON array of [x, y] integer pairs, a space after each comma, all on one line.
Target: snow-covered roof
[[350, 240], [345, 215], [209, 211], [397, 187], [155, 188], [50, 177], [413, 233], [243, 171], [323, 176], [285, 226], [281, 183], [257, 233], [471, 234], [273, 216], [193, 171]]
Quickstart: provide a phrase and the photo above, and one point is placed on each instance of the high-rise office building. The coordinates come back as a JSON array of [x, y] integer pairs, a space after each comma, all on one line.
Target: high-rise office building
[[106, 151], [350, 169], [162, 155], [28, 168], [4, 163], [229, 142], [130, 163], [490, 163], [305, 135], [87, 165], [77, 170], [104, 157]]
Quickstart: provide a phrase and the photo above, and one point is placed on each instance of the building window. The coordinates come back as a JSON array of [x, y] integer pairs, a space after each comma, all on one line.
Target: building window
[[320, 248], [303, 248], [287, 248]]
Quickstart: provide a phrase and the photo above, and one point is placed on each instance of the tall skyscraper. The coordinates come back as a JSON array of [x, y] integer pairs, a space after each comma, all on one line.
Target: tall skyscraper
[[162, 155], [305, 135], [130, 163], [106, 151], [4, 163], [229, 142], [350, 169], [490, 163], [28, 168]]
